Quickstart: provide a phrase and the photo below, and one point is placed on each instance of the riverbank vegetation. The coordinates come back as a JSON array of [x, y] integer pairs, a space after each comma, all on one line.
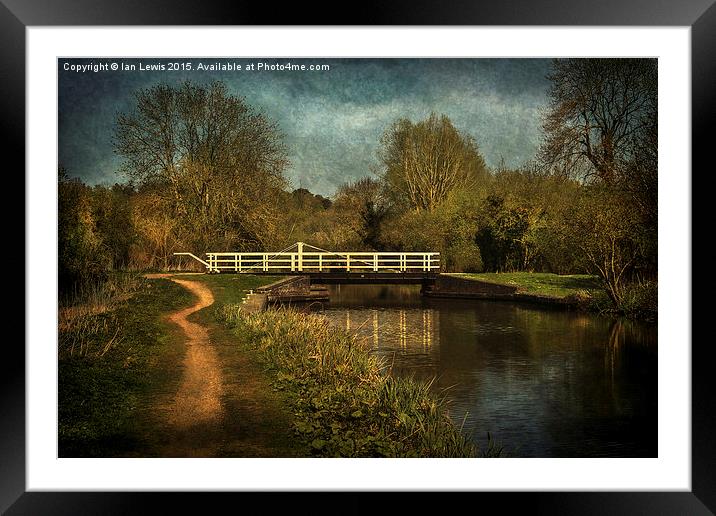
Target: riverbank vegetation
[[113, 349], [117, 353], [344, 403], [585, 203]]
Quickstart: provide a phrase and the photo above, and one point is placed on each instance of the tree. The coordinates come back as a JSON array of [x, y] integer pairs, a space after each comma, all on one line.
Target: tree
[[112, 212], [82, 256], [219, 159], [425, 161], [601, 127], [602, 227], [598, 109], [502, 236], [360, 206], [156, 229]]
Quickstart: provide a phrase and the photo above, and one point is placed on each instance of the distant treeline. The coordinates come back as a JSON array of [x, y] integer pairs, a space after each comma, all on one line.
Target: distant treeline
[[207, 173]]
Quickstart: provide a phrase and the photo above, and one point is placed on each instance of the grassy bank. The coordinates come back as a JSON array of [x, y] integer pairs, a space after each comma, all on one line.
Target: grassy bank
[[230, 288], [543, 284], [113, 349], [344, 406], [639, 299]]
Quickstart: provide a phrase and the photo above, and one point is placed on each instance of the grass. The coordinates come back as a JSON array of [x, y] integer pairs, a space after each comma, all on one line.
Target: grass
[[540, 283], [230, 288], [111, 354], [117, 354], [640, 301], [343, 405]]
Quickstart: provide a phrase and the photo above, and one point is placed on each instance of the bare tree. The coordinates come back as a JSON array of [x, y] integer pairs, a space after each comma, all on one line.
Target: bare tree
[[598, 109], [219, 159], [602, 227], [425, 161]]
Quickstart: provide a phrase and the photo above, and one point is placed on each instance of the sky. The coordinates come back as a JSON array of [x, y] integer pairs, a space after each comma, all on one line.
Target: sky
[[332, 120]]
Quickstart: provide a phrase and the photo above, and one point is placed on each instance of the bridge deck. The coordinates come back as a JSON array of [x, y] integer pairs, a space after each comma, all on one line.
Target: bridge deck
[[364, 278]]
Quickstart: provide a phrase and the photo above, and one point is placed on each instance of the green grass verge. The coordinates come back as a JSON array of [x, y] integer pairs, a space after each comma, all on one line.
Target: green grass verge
[[540, 283], [101, 389], [230, 288], [343, 405]]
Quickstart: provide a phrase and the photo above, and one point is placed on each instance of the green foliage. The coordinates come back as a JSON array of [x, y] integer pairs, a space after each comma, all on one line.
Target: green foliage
[[640, 300], [108, 351], [344, 406], [501, 235], [449, 229], [589, 205], [83, 258], [601, 228]]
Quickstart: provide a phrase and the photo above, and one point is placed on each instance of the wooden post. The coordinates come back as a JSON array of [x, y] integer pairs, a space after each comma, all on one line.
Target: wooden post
[[300, 256]]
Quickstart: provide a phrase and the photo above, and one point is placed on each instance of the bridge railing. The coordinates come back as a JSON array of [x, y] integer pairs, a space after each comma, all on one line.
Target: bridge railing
[[323, 262]]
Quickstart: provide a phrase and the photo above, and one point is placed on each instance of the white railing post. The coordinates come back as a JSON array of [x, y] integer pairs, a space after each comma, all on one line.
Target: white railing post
[[375, 262], [265, 256], [300, 256], [320, 262], [348, 263]]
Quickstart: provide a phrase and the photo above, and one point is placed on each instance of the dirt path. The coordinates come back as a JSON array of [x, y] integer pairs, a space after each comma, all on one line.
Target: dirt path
[[220, 407], [199, 397]]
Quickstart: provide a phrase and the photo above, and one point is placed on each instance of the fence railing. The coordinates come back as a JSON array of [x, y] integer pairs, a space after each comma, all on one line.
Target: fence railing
[[320, 261]]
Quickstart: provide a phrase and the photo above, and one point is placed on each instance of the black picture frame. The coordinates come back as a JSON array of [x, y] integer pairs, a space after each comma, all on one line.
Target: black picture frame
[[17, 15]]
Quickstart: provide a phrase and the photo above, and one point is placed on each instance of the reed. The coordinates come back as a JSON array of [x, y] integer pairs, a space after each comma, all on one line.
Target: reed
[[344, 405]]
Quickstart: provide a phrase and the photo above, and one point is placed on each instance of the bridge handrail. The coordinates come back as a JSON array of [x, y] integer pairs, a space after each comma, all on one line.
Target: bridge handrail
[[301, 261]]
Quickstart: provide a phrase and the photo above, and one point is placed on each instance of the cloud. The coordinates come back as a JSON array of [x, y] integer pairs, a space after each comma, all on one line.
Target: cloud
[[332, 120]]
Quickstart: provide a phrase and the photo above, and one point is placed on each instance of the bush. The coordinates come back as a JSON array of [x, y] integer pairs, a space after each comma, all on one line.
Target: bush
[[640, 300], [464, 256]]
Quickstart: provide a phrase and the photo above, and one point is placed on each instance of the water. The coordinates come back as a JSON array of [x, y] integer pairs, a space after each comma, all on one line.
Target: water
[[545, 383]]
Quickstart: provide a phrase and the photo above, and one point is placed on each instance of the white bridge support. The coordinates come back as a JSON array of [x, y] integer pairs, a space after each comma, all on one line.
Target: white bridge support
[[297, 259]]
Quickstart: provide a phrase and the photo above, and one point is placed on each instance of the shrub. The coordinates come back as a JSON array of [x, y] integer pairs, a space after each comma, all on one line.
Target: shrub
[[640, 300]]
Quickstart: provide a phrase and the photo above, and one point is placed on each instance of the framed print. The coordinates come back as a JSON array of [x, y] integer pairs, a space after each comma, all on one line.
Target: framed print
[[458, 203]]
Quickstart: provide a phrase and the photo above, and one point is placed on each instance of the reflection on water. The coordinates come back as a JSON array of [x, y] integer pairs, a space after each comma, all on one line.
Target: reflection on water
[[546, 383]]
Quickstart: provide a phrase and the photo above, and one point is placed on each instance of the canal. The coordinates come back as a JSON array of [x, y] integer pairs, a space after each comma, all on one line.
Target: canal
[[543, 382]]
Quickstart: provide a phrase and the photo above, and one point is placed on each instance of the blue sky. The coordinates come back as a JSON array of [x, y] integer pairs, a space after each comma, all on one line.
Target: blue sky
[[332, 120]]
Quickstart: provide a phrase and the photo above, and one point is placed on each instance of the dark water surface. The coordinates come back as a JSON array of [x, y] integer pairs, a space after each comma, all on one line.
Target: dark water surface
[[546, 383]]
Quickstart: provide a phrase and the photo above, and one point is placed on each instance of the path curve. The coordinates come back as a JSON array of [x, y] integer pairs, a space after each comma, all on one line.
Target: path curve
[[198, 399], [220, 408]]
